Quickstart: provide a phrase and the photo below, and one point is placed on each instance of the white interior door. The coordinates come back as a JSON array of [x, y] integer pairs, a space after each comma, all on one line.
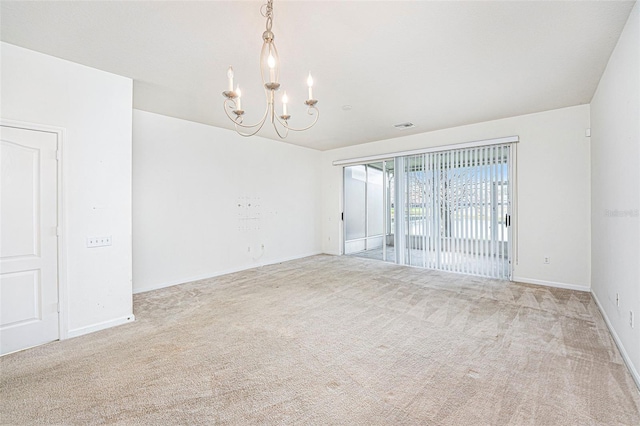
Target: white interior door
[[28, 239]]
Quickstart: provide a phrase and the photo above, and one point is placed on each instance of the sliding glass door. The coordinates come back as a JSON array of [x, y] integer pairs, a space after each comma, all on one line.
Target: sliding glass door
[[446, 210], [368, 210]]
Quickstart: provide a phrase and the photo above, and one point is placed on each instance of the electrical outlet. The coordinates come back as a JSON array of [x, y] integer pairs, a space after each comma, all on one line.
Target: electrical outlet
[[631, 319], [547, 260], [98, 241]]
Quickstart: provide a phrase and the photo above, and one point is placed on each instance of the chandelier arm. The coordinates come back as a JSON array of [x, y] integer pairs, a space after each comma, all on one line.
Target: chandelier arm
[[275, 121], [246, 135], [239, 123], [317, 115], [286, 133]]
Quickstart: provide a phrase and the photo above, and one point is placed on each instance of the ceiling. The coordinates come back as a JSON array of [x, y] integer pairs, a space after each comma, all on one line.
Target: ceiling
[[435, 64]]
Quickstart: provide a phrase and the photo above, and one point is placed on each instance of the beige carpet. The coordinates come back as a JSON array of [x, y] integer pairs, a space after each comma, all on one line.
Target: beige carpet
[[333, 340]]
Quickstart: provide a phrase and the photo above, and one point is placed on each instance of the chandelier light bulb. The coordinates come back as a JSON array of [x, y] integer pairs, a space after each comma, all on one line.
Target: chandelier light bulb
[[238, 94], [271, 61], [310, 84], [285, 99], [230, 75]]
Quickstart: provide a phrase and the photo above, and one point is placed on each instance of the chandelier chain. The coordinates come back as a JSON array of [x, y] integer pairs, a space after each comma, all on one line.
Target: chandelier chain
[[268, 13]]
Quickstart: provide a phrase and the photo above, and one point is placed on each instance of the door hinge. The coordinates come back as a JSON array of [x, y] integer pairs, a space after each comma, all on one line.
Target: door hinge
[[58, 306], [58, 231], [58, 155], [342, 216]]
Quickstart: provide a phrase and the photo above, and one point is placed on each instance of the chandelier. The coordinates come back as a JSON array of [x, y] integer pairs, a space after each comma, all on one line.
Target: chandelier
[[269, 70]]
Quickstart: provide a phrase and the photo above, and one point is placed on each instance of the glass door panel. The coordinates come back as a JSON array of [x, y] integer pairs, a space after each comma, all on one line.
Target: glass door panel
[[366, 215], [355, 206]]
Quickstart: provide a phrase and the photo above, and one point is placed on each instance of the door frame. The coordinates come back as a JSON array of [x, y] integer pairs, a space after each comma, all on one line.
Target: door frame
[[60, 132]]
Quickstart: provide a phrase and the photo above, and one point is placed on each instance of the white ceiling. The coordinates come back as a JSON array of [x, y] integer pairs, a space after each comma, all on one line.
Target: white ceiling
[[436, 64]]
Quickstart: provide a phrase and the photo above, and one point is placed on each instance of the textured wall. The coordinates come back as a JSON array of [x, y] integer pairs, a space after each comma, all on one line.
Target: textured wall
[[615, 182], [208, 201]]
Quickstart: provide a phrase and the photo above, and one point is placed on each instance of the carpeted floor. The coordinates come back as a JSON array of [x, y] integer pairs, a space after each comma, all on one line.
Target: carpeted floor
[[333, 340]]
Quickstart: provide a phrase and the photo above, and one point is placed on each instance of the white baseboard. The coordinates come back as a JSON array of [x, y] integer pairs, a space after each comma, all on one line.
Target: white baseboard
[[623, 352], [550, 283], [165, 284], [100, 326]]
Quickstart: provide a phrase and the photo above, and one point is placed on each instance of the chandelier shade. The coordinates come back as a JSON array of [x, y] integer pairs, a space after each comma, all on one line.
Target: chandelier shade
[[270, 72]]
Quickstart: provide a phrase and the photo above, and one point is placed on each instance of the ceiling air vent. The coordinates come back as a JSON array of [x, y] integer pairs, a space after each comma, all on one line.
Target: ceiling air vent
[[403, 126]]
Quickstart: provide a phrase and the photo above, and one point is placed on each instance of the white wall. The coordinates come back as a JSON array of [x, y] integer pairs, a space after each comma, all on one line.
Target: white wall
[[188, 180], [95, 109], [553, 189], [615, 182]]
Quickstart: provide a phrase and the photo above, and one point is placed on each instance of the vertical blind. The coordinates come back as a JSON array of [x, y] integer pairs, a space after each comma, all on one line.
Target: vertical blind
[[445, 210], [457, 211]]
